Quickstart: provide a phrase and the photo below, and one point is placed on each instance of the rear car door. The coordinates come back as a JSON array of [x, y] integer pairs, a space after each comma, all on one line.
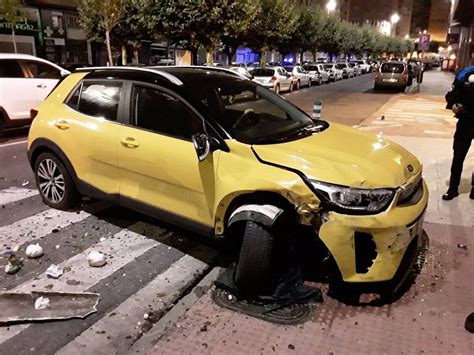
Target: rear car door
[[17, 92], [159, 169], [43, 77]]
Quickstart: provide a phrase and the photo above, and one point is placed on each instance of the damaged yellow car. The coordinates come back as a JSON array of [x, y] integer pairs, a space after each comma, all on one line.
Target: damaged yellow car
[[169, 143]]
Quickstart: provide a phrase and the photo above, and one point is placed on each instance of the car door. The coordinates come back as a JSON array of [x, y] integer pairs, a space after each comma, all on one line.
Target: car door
[[159, 168], [43, 77], [285, 78], [17, 92], [86, 131]]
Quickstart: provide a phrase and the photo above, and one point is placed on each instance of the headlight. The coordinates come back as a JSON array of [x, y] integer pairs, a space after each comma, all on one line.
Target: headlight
[[352, 200]]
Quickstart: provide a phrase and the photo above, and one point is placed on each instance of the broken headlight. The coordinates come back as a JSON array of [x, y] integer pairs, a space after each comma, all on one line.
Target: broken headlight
[[353, 200]]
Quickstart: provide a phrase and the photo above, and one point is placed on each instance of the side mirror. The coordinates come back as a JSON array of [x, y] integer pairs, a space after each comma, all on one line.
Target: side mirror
[[201, 145], [64, 73]]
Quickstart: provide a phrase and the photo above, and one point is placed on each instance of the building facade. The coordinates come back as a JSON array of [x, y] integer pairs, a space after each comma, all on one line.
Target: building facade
[[461, 33]]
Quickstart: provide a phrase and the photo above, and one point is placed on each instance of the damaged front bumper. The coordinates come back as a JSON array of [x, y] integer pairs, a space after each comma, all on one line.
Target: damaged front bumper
[[371, 248]]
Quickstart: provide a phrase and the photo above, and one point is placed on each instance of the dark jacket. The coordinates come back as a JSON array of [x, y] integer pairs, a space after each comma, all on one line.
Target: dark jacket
[[462, 93]]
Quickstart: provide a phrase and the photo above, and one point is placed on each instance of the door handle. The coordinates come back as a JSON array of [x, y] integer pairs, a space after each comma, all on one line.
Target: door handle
[[41, 86], [129, 142], [62, 124]]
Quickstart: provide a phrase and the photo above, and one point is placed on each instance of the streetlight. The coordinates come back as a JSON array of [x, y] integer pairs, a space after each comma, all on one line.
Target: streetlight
[[331, 6], [393, 20]]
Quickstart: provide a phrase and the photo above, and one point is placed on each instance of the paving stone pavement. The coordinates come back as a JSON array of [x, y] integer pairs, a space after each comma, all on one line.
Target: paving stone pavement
[[429, 317]]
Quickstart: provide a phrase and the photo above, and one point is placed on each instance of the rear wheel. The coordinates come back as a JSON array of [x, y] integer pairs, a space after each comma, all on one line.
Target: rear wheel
[[320, 81], [290, 89], [253, 271], [309, 83], [54, 182], [277, 89], [297, 86]]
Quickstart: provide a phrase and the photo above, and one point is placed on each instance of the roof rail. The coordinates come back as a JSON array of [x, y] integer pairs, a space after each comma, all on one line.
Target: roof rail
[[204, 67], [167, 76]]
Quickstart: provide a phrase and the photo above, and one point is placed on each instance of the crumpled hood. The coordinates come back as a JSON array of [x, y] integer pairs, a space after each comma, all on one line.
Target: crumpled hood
[[345, 156]]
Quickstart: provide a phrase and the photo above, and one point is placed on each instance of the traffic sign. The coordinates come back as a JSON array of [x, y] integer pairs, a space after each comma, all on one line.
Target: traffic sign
[[424, 42]]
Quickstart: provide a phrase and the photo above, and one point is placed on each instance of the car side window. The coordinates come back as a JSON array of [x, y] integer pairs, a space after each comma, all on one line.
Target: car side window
[[9, 68], [42, 70], [99, 99], [160, 112]]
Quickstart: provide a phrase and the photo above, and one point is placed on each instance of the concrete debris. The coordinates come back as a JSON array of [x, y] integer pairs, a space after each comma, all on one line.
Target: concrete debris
[[96, 259], [34, 251], [14, 264], [42, 303], [54, 271], [41, 306]]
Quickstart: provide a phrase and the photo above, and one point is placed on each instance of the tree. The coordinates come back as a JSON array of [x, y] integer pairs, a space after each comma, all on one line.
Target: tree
[[273, 24], [331, 35], [11, 11], [103, 15]]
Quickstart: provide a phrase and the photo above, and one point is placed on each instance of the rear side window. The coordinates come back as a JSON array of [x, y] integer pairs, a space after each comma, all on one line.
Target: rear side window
[[42, 70], [160, 112], [9, 68], [396, 68], [98, 99]]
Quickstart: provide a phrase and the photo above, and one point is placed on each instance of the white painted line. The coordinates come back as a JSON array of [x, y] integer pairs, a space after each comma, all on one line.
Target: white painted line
[[124, 319], [121, 249], [14, 194], [13, 143], [40, 225]]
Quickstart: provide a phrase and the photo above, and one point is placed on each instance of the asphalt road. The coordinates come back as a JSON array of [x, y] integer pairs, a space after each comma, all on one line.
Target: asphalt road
[[149, 264]]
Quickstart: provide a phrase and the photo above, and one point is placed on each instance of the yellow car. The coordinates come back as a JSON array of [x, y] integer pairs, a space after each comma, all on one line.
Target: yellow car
[[165, 142]]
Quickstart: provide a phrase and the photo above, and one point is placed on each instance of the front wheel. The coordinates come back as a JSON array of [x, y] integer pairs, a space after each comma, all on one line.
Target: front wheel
[[309, 83], [320, 82], [253, 271], [297, 86], [54, 182], [277, 89]]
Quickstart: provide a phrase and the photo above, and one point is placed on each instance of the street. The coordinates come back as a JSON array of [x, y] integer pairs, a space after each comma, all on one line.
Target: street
[[151, 266]]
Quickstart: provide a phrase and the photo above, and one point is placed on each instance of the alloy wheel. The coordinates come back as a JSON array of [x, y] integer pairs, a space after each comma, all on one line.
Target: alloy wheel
[[51, 181]]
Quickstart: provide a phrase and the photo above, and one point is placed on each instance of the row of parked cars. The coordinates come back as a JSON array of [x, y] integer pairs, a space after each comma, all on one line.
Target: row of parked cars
[[288, 78]]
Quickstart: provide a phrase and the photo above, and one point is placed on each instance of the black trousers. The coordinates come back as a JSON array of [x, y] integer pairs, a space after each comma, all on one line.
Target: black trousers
[[462, 142]]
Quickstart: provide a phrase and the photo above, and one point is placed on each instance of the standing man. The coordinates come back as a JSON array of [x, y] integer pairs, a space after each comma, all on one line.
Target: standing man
[[461, 101]]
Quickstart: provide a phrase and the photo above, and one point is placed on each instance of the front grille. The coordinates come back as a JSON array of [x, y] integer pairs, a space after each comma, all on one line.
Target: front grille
[[365, 252]]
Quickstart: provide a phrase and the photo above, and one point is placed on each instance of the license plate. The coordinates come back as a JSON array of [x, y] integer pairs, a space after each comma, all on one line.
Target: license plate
[[390, 80]]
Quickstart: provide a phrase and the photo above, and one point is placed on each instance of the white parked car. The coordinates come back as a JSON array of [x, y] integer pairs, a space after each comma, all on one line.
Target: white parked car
[[301, 76], [273, 78], [25, 81], [347, 71], [321, 75], [357, 69], [365, 66], [335, 73]]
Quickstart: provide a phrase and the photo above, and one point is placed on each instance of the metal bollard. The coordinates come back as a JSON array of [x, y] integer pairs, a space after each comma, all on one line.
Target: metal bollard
[[317, 109]]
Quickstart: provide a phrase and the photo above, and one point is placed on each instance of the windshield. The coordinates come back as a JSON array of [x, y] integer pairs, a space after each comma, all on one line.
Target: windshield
[[310, 67], [253, 114], [341, 66], [262, 72], [328, 66]]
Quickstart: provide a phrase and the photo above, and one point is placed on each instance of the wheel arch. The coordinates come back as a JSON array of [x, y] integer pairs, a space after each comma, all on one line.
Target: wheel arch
[[42, 145]]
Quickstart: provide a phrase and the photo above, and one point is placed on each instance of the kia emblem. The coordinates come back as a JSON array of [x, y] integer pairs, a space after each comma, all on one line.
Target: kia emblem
[[410, 168]]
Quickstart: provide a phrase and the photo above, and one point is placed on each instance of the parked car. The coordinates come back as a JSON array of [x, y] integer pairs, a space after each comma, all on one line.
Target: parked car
[[25, 81], [335, 73], [273, 78], [356, 68], [254, 171], [392, 74], [74, 66], [300, 76], [347, 71], [365, 66], [317, 72]]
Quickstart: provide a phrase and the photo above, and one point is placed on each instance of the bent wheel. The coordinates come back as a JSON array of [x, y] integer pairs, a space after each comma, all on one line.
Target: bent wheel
[[54, 182]]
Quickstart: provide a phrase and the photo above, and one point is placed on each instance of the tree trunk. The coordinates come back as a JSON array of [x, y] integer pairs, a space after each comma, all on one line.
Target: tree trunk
[[301, 57], [13, 37], [124, 55], [109, 49], [314, 56], [232, 54], [263, 57], [210, 56], [135, 54]]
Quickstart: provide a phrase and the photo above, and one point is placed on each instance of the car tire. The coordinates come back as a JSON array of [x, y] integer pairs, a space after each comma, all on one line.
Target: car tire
[[50, 171], [320, 82], [376, 87], [277, 89], [309, 83], [297, 85], [253, 270], [290, 89]]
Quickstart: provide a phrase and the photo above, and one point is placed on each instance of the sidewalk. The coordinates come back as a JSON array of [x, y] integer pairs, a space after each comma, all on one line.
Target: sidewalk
[[429, 318]]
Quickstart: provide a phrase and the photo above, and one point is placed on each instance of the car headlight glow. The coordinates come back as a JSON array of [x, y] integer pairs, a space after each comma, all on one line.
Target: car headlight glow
[[353, 200]]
